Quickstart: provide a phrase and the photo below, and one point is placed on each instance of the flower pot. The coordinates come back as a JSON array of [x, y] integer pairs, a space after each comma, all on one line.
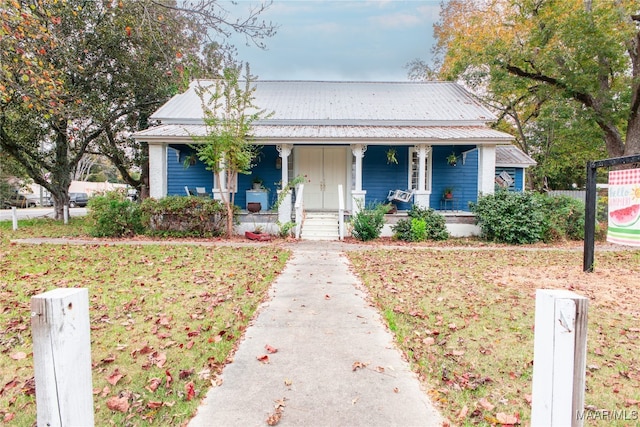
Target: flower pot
[[254, 207], [448, 196], [251, 235], [257, 186]]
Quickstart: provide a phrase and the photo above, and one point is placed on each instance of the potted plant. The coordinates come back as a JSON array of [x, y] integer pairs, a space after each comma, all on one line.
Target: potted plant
[[452, 159], [257, 183], [447, 193]]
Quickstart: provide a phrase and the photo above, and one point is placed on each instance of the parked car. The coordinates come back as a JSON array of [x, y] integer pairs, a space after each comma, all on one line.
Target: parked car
[[18, 200], [46, 200], [78, 200]]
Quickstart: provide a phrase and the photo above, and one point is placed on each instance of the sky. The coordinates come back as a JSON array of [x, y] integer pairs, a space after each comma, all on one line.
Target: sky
[[358, 40]]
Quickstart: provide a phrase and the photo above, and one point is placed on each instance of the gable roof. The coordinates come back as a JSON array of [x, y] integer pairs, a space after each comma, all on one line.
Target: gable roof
[[306, 112]]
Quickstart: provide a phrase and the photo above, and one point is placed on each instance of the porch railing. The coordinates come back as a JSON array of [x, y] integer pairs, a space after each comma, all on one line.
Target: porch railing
[[299, 209], [340, 212]]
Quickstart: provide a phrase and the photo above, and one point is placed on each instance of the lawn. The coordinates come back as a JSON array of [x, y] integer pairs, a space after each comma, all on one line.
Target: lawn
[[164, 319], [464, 319]]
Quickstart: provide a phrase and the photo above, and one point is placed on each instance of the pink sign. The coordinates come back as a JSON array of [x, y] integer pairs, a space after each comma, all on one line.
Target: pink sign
[[624, 207]]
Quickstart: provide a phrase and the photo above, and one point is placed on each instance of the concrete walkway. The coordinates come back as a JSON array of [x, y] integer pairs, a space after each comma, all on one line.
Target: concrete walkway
[[322, 326]]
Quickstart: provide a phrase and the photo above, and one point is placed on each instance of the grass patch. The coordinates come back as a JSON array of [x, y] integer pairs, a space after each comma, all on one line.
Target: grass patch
[[164, 317], [470, 314]]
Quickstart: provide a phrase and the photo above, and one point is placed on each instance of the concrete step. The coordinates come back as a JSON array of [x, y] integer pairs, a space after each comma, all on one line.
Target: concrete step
[[320, 226]]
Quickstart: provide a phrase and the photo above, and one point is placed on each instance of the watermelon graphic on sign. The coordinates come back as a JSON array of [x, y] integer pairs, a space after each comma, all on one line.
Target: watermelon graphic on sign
[[624, 207], [625, 217]]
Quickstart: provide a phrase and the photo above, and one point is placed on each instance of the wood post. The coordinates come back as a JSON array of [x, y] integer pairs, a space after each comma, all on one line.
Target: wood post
[[65, 214], [559, 358], [62, 357]]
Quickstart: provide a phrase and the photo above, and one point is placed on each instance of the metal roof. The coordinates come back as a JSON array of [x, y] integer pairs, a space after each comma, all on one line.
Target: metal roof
[[349, 103], [510, 155], [338, 134]]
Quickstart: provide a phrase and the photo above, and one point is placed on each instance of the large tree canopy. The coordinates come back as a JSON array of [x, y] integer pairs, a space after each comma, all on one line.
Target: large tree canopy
[[79, 77], [530, 52]]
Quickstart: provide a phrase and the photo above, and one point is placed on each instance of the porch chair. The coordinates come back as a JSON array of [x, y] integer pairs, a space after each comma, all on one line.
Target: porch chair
[[400, 195], [201, 192], [186, 189]]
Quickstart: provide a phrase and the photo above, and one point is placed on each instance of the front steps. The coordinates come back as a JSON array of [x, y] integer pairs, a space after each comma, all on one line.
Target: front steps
[[320, 226]]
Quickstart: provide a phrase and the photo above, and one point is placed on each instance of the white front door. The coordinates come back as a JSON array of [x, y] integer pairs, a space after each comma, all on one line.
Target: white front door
[[325, 168]]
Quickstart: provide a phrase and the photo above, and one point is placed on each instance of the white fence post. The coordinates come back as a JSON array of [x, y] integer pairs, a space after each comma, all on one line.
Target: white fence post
[[14, 217], [559, 358], [65, 214], [340, 212], [62, 357]]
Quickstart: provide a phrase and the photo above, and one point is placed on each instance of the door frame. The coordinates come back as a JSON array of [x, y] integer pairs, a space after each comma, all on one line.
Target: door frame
[[348, 169]]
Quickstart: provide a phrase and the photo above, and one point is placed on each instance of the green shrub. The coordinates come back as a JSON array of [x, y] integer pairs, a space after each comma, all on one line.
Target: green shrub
[[418, 230], [367, 223], [114, 215], [286, 229], [565, 218], [510, 217], [184, 216], [422, 224]]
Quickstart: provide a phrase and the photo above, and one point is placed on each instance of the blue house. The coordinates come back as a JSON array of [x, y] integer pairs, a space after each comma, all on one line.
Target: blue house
[[354, 142]]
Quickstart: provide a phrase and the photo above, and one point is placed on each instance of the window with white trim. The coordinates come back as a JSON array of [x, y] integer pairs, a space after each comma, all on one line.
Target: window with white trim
[[413, 169]]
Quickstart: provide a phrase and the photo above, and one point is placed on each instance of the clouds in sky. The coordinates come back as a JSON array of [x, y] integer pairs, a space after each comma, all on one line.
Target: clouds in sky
[[343, 40]]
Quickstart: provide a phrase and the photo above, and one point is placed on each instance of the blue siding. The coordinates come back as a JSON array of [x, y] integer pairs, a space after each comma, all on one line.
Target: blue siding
[[198, 176], [519, 179], [462, 177], [178, 176], [378, 176]]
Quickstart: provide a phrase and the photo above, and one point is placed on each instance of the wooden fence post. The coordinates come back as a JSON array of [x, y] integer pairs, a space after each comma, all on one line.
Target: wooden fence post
[[62, 357], [559, 358]]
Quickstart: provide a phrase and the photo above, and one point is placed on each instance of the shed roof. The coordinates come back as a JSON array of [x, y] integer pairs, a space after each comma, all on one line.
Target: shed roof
[[510, 155], [348, 103]]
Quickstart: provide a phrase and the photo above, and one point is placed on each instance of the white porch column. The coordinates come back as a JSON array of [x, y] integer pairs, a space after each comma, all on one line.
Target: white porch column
[[486, 169], [220, 187], [358, 195], [157, 170], [421, 196], [284, 209]]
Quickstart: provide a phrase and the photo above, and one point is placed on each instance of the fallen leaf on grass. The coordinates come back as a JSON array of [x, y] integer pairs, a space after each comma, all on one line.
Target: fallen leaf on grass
[[463, 412], [190, 389], [9, 416], [19, 355], [8, 386], [185, 373], [120, 404], [115, 377], [270, 349], [507, 419], [486, 404], [169, 378], [154, 383], [152, 404]]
